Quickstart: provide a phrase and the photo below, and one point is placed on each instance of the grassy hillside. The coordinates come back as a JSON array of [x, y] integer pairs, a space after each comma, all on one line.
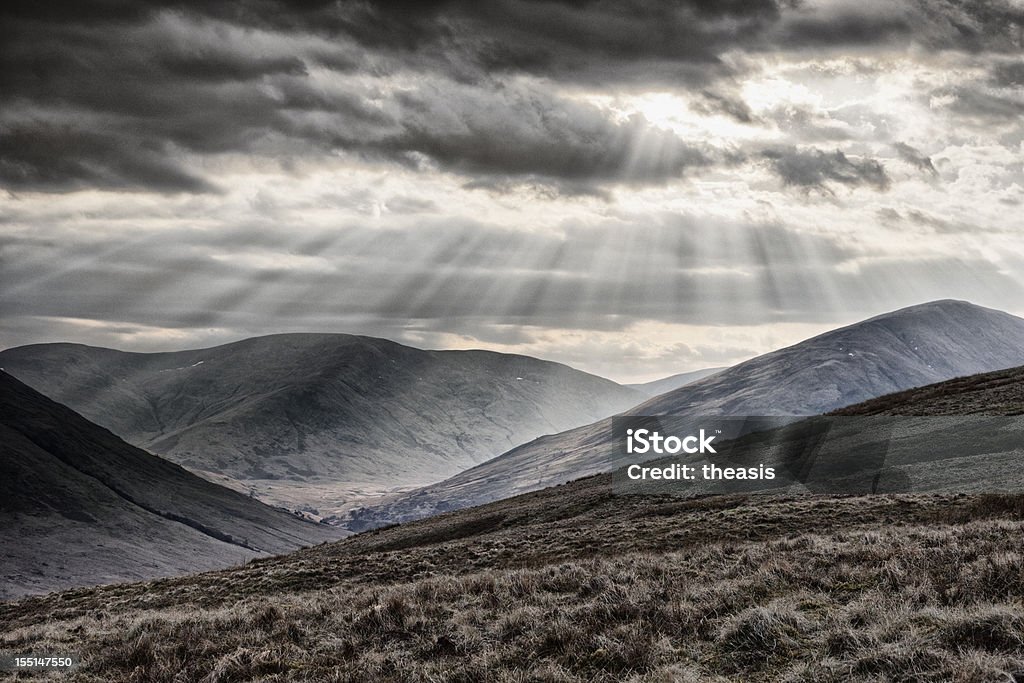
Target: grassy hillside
[[990, 393], [574, 584]]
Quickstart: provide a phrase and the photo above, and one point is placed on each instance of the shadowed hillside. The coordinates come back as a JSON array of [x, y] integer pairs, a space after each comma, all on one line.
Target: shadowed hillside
[[79, 506]]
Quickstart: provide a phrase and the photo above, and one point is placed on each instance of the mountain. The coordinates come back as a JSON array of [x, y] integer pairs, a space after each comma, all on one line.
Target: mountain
[[79, 506], [910, 347], [313, 418], [660, 386]]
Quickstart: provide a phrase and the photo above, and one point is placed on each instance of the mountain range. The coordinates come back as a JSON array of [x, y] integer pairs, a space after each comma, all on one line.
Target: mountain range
[[305, 419], [907, 348], [81, 506], [595, 586]]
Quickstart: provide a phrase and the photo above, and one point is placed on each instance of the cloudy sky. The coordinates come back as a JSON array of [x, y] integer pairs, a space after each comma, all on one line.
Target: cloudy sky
[[633, 187]]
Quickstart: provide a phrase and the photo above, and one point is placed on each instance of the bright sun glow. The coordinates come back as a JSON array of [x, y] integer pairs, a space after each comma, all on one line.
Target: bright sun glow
[[675, 113], [681, 115]]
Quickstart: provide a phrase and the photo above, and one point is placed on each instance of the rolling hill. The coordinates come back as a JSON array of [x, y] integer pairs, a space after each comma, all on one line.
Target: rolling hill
[[892, 352], [79, 506], [309, 420], [574, 583], [666, 384]]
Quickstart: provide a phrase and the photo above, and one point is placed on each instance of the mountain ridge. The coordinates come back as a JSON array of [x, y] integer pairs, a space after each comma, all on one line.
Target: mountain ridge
[[842, 344], [681, 379], [942, 339], [310, 420]]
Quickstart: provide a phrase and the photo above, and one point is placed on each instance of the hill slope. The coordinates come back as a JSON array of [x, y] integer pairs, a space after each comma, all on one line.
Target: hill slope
[[906, 348], [575, 581], [666, 384], [319, 409], [572, 584], [989, 393], [79, 506]]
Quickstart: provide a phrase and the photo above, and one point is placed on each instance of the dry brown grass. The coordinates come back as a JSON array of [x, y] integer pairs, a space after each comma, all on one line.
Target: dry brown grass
[[989, 393], [880, 589]]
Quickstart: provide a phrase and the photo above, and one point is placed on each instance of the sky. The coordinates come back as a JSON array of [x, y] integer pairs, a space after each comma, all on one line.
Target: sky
[[631, 187]]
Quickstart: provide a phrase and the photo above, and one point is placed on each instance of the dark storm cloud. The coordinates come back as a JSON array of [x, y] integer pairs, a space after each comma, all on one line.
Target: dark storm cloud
[[225, 66], [177, 78], [151, 91], [1008, 75], [915, 158], [815, 169], [604, 39], [532, 134], [503, 137], [41, 156], [996, 99], [984, 106], [848, 25], [579, 41], [983, 25], [932, 24], [495, 131], [725, 103]]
